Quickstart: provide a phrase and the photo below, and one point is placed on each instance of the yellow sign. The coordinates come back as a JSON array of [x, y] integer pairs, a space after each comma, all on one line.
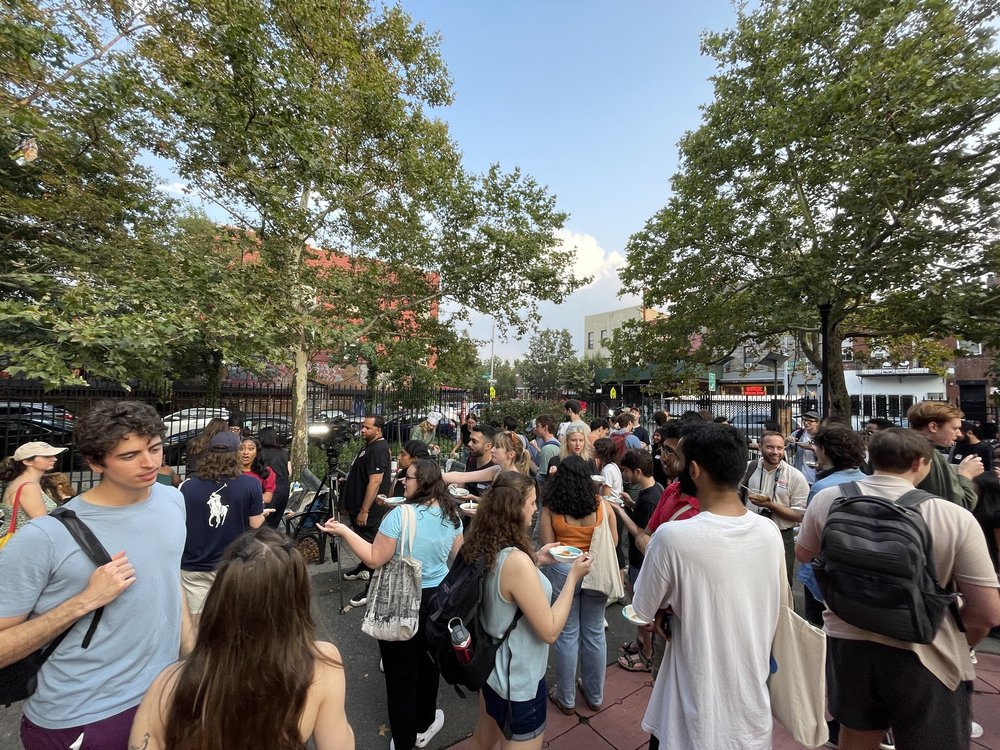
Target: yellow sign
[[613, 394], [493, 393]]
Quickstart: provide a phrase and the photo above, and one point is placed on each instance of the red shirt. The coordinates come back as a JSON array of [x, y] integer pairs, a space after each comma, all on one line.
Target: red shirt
[[670, 502], [271, 483]]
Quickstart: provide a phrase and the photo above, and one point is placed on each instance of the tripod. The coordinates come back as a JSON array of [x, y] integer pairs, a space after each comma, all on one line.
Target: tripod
[[331, 483]]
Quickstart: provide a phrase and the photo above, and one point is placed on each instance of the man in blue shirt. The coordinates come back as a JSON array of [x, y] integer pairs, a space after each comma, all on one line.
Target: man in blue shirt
[[87, 697]]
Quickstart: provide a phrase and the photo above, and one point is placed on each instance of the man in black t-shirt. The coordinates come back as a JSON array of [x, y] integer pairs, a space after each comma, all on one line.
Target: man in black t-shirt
[[480, 456], [369, 476], [970, 444]]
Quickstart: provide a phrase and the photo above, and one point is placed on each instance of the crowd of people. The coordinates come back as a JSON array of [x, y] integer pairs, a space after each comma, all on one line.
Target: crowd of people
[[203, 636]]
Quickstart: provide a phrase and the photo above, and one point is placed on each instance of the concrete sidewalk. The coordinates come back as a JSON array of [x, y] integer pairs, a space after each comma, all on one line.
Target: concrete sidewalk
[[617, 726]]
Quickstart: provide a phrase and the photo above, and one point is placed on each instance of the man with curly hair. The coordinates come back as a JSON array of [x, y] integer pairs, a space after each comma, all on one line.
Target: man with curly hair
[[88, 696]]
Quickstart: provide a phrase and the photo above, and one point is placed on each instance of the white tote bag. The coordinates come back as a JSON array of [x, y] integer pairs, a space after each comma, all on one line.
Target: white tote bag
[[604, 575], [797, 684], [393, 612]]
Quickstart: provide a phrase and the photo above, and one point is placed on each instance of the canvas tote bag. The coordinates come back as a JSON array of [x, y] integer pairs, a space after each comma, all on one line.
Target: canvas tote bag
[[797, 684], [393, 612], [604, 575]]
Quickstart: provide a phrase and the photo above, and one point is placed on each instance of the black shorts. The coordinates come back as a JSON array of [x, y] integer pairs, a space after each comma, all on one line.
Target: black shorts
[[874, 687]]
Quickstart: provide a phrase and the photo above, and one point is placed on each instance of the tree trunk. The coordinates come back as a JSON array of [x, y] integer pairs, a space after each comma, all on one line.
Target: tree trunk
[[840, 399], [300, 415]]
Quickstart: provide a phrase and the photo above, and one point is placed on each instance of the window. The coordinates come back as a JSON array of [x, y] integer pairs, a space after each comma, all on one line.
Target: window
[[970, 348], [590, 339], [935, 397], [604, 337]]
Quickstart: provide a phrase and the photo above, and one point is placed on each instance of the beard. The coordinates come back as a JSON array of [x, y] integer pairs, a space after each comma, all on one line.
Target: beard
[[688, 487]]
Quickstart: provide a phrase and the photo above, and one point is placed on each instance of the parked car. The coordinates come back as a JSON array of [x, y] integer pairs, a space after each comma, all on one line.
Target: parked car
[[329, 415], [751, 425], [397, 428], [37, 408], [195, 418], [18, 429]]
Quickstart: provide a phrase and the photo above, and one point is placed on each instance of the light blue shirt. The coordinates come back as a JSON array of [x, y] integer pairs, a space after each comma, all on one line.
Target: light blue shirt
[[843, 476], [522, 659], [139, 632], [433, 541]]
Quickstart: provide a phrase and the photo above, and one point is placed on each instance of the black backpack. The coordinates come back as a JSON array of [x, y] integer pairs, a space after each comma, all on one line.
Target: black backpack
[[460, 595], [876, 566], [20, 679]]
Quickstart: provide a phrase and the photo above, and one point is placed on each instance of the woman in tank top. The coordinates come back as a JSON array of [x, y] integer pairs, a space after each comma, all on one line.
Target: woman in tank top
[[23, 471], [512, 703]]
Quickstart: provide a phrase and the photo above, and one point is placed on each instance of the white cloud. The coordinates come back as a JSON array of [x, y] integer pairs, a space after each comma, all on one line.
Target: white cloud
[[600, 295], [173, 188], [591, 258]]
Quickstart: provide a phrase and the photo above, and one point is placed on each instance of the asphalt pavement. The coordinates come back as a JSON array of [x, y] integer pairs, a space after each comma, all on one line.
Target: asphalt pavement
[[366, 685]]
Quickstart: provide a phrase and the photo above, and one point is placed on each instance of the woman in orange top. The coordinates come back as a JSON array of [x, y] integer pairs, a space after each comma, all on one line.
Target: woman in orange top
[[573, 510]]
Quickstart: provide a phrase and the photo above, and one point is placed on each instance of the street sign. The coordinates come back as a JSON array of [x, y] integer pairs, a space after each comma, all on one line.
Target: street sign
[[711, 382]]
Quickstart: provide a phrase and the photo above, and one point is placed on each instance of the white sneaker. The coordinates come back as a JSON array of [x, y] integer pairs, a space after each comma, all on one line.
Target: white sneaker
[[972, 656], [977, 731], [381, 667], [424, 737], [888, 742]]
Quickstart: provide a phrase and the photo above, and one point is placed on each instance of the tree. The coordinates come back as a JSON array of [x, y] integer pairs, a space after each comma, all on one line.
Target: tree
[[306, 120], [846, 160], [551, 364]]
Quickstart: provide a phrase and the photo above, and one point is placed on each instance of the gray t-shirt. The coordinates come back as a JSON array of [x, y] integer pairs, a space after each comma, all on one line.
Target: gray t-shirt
[[139, 632]]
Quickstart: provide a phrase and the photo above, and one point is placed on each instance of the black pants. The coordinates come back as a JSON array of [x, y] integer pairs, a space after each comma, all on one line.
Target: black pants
[[411, 683], [278, 502]]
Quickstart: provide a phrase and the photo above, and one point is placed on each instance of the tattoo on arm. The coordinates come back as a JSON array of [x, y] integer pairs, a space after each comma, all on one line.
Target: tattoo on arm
[[143, 746]]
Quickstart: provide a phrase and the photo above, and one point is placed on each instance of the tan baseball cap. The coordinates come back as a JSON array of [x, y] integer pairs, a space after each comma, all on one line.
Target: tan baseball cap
[[30, 450]]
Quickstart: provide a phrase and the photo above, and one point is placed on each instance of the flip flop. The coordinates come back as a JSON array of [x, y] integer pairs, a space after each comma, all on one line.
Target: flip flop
[[635, 663]]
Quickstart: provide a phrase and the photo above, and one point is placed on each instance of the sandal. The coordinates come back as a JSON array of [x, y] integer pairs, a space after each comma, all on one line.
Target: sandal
[[635, 663], [631, 647], [560, 706]]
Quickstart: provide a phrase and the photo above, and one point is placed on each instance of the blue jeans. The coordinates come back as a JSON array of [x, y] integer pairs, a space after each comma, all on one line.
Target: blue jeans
[[583, 636]]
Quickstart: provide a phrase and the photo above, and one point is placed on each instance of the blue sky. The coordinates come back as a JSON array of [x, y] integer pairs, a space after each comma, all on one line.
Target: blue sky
[[590, 98]]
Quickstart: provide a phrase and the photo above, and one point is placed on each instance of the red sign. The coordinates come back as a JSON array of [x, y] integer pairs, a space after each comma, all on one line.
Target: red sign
[[754, 390]]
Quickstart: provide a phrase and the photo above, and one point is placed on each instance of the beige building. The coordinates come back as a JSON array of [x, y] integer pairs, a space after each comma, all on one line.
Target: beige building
[[598, 329]]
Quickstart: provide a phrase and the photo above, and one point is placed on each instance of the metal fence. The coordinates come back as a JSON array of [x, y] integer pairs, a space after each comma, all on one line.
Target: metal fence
[[27, 412]]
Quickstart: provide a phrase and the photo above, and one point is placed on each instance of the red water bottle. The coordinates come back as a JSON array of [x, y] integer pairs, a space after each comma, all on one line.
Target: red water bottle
[[461, 641]]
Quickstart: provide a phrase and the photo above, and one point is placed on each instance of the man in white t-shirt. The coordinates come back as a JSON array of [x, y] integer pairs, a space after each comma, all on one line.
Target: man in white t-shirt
[[923, 691], [719, 576]]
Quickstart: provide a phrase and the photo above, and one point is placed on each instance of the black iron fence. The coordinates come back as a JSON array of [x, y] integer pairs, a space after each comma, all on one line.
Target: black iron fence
[[28, 413]]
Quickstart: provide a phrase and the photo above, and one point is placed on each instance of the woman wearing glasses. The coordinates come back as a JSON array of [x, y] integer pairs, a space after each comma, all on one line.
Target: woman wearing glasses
[[411, 677]]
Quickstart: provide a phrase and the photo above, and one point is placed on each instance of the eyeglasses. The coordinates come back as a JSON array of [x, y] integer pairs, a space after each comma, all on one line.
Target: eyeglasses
[[667, 449], [408, 477]]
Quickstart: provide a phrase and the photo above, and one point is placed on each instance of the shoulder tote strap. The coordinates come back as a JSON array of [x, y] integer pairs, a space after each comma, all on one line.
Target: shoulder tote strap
[[407, 530], [680, 511], [17, 504]]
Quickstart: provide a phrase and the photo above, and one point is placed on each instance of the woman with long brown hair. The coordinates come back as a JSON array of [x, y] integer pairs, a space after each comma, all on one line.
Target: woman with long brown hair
[[197, 446], [24, 498], [411, 676], [512, 703], [256, 676]]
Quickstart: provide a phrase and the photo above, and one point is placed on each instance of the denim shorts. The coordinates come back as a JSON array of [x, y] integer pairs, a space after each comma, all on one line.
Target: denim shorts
[[527, 719]]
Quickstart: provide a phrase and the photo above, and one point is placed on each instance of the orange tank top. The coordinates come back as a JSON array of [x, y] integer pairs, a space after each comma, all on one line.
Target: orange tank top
[[576, 536]]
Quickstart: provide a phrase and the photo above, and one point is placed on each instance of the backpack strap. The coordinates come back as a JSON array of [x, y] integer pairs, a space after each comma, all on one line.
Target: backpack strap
[[913, 498], [93, 548], [849, 489]]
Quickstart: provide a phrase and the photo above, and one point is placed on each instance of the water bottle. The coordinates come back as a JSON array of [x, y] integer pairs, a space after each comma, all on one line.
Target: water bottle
[[461, 641]]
